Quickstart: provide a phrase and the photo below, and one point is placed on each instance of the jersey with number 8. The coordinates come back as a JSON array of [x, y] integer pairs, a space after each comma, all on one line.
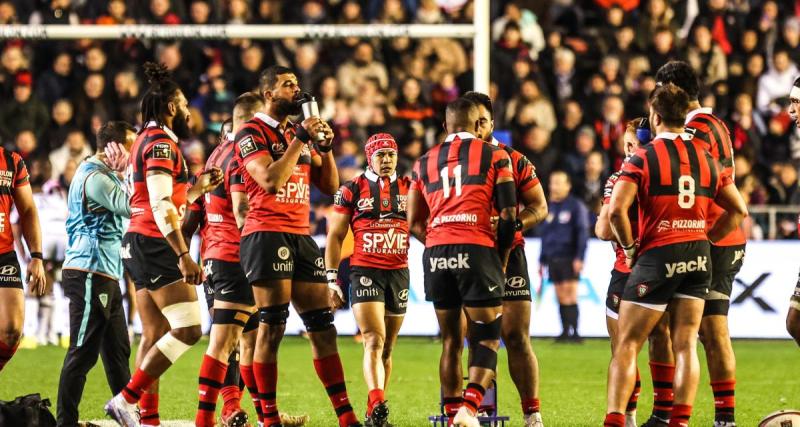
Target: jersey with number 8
[[457, 180], [677, 182]]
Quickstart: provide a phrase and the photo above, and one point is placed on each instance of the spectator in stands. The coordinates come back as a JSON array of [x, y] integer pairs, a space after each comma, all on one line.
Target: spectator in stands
[[127, 96], [8, 13], [663, 48], [92, 101], [117, 14], [626, 5], [412, 112], [705, 56], [442, 56], [746, 128], [589, 184], [25, 144], [530, 30], [567, 130], [610, 72], [574, 159], [160, 12], [62, 121], [23, 111], [360, 68], [508, 49], [781, 72], [13, 61], [610, 128], [790, 38], [60, 12], [56, 83], [443, 92], [170, 55], [251, 62], [531, 106], [537, 148], [75, 148], [308, 69], [725, 24], [658, 15], [238, 12]]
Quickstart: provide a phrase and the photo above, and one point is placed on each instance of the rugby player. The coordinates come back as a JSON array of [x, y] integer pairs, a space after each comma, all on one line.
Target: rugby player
[[154, 251], [280, 259], [455, 186], [373, 205], [674, 181], [15, 192], [98, 207], [727, 253], [522, 363], [793, 317]]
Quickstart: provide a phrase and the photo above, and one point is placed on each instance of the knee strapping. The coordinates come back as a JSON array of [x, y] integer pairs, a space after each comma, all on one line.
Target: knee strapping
[[252, 323], [318, 320], [171, 347], [229, 316], [483, 356], [275, 315], [182, 314]]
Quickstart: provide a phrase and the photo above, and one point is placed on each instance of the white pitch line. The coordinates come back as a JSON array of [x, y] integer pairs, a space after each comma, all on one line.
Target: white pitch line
[[168, 423]]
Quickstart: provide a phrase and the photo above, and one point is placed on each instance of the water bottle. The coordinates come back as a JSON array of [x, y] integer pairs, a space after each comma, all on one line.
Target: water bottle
[[311, 109]]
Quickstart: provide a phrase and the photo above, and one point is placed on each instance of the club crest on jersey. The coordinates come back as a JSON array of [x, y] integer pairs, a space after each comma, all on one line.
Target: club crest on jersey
[[365, 281], [283, 253], [247, 146], [385, 203], [365, 204], [642, 289], [162, 150]]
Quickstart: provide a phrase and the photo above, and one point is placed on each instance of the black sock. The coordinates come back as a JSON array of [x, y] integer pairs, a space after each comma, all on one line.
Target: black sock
[[572, 318], [564, 311], [232, 374]]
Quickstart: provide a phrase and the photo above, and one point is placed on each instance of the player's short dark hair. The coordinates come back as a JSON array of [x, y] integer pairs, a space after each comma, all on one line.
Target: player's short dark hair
[[113, 131], [796, 82], [680, 74], [248, 101], [269, 77], [457, 113], [480, 99], [671, 103]]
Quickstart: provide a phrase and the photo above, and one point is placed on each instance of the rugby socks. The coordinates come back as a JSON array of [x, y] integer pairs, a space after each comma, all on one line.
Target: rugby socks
[[6, 353], [562, 310], [250, 382], [451, 405], [231, 393], [148, 409], [139, 382], [724, 401], [530, 405], [634, 399], [375, 397], [212, 372], [330, 372], [267, 382], [473, 396], [569, 319], [663, 375], [614, 419], [680, 416]]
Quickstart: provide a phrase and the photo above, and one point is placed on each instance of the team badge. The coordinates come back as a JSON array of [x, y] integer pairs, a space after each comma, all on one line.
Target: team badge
[[615, 300], [247, 146], [283, 253], [385, 203], [642, 289], [365, 281], [103, 299], [162, 150]]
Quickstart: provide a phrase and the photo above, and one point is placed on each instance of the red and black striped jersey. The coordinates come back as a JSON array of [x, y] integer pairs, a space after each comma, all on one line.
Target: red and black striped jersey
[[457, 178], [715, 136], [377, 209], [677, 182], [524, 179], [289, 209], [13, 174], [633, 215], [156, 149], [219, 232]]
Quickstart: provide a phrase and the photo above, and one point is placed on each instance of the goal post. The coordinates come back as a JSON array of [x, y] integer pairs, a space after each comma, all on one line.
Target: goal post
[[478, 31]]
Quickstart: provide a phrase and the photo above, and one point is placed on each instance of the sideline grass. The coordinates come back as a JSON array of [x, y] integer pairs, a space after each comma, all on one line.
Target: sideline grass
[[572, 386]]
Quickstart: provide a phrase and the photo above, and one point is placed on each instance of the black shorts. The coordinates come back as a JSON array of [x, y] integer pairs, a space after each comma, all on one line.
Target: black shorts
[[561, 270], [10, 273], [614, 295], [268, 255], [377, 285], [208, 292], [150, 261], [227, 282], [457, 275], [518, 281], [679, 270], [726, 261]]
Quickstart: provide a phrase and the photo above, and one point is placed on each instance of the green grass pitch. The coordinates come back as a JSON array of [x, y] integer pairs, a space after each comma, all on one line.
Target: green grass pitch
[[573, 382]]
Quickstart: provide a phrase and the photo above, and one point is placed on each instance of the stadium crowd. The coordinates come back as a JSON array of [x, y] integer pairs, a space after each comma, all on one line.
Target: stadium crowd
[[566, 76]]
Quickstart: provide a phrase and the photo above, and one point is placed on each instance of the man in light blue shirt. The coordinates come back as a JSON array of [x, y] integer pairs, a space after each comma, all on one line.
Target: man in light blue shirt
[[98, 206]]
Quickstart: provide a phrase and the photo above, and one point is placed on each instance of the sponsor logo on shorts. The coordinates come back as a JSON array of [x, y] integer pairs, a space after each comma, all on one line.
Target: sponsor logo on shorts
[[641, 289], [207, 269], [738, 256], [125, 251], [460, 262], [365, 204], [320, 263], [9, 273], [462, 217], [681, 225], [403, 296], [515, 282], [285, 266], [683, 267], [367, 292], [365, 281], [283, 253], [615, 300]]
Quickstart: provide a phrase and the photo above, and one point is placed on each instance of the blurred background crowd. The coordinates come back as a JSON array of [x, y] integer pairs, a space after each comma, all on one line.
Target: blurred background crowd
[[566, 76]]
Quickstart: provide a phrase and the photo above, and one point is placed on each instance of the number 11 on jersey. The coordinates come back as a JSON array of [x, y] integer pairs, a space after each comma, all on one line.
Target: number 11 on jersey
[[446, 180]]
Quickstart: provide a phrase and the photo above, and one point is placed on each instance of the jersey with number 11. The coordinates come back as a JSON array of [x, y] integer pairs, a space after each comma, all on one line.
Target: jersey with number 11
[[677, 181], [457, 180]]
